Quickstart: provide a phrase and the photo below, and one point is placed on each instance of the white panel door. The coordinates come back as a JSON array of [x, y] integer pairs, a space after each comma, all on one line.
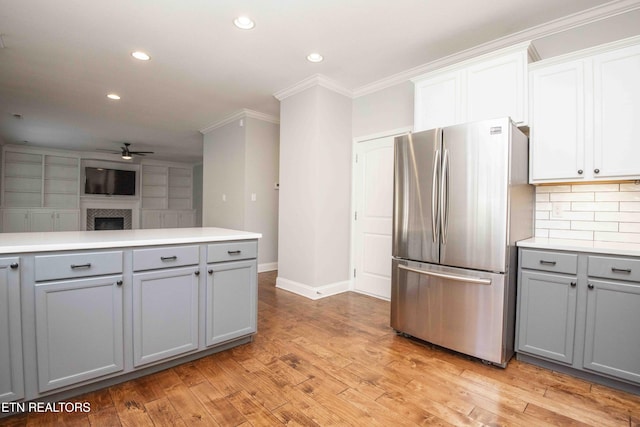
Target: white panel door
[[557, 146], [373, 193], [41, 220], [617, 114], [67, 221]]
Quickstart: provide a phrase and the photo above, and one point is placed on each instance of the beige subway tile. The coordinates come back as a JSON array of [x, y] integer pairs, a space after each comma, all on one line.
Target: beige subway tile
[[618, 216], [594, 226], [542, 215], [571, 234], [631, 186], [553, 189], [571, 197], [620, 196], [581, 188], [555, 225], [542, 197], [542, 233], [629, 227], [629, 206], [544, 206], [595, 206], [574, 216], [617, 237]]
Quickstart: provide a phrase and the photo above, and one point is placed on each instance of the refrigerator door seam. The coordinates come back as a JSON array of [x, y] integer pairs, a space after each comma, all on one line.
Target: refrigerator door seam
[[446, 276]]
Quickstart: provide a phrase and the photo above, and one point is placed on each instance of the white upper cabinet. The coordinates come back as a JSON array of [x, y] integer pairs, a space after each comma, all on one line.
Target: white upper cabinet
[[487, 87], [616, 101], [585, 115]]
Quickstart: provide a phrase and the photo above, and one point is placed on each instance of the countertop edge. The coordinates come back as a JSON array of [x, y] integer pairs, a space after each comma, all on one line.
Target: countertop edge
[[19, 243], [609, 248]]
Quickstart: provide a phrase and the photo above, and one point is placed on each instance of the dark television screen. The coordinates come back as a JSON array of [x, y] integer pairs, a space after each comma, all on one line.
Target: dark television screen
[[109, 181]]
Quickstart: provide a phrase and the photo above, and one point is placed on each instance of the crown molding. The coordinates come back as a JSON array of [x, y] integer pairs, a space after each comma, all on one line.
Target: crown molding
[[315, 80], [559, 25], [584, 53], [242, 114]]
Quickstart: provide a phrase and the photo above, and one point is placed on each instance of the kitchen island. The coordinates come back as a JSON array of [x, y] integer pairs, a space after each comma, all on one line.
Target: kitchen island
[[579, 309], [86, 309]]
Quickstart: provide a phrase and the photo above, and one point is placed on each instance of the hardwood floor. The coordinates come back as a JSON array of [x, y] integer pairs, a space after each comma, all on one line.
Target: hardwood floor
[[336, 361]]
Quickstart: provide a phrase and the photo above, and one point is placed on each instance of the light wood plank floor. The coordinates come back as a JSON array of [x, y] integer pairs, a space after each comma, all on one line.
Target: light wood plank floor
[[336, 361]]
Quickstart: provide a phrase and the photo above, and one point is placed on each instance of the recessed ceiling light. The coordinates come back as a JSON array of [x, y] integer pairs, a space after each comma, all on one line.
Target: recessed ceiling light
[[140, 55], [244, 23], [113, 96], [315, 57]]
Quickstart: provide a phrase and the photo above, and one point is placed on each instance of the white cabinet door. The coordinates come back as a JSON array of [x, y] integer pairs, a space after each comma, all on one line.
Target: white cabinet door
[[438, 101], [41, 220], [169, 219], [557, 120], [186, 219], [79, 330], [497, 88], [151, 219], [15, 220], [67, 221], [165, 314], [11, 371], [232, 295], [616, 92]]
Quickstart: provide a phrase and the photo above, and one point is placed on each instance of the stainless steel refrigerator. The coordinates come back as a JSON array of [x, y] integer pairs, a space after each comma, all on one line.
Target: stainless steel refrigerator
[[461, 201]]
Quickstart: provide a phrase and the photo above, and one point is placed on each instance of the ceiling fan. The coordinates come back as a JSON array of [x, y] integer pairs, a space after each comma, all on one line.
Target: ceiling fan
[[126, 153]]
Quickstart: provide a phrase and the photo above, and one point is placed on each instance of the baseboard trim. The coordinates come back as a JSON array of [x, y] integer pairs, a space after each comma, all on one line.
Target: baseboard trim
[[267, 266], [312, 292]]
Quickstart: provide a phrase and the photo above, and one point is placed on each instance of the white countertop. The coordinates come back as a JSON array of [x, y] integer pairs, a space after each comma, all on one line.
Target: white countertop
[[12, 243], [613, 248]]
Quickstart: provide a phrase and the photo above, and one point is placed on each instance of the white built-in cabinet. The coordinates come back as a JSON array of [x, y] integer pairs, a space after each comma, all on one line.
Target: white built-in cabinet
[[20, 220], [168, 218], [585, 115], [11, 370], [167, 193], [490, 86]]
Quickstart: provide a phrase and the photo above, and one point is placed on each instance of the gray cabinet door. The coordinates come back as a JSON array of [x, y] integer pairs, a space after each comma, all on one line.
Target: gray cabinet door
[[232, 293], [78, 330], [11, 374], [165, 314], [547, 315], [612, 340]]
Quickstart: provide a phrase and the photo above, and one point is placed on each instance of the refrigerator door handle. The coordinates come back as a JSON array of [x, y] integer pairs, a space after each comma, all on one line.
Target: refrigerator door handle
[[447, 276], [444, 197], [434, 196]]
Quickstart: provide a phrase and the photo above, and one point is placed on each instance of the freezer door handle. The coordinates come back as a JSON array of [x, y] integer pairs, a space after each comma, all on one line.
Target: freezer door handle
[[447, 276], [434, 195], [444, 197]]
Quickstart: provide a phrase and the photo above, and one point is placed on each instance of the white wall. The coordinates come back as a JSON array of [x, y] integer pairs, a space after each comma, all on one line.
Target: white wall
[[390, 108], [197, 193], [315, 177], [223, 174], [241, 159]]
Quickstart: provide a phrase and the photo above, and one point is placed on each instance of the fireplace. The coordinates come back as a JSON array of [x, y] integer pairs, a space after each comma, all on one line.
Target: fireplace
[[112, 223], [109, 219]]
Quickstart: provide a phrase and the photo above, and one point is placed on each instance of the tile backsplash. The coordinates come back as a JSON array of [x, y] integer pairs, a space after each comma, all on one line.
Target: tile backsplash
[[603, 212]]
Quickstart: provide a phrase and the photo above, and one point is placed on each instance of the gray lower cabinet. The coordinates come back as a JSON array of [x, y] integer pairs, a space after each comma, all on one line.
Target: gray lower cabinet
[[165, 314], [11, 372], [231, 300], [612, 337], [581, 311], [547, 315], [79, 330]]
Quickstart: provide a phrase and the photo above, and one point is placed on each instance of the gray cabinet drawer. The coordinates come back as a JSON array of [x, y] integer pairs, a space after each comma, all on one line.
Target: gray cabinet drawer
[[232, 251], [549, 261], [79, 264], [165, 257], [614, 268]]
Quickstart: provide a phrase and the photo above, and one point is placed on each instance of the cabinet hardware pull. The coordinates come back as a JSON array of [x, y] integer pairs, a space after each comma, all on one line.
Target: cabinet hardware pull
[[168, 258], [590, 286], [596, 171], [75, 266], [543, 262], [573, 284], [234, 252], [580, 171], [197, 272], [210, 271], [119, 283], [621, 270], [14, 265]]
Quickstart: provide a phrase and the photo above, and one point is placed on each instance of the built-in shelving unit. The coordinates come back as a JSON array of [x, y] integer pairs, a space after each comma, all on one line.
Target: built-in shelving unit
[[154, 187], [180, 188], [61, 182], [22, 179]]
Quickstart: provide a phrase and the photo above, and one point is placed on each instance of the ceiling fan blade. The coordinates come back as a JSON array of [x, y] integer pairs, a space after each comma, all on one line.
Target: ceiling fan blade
[[103, 150], [141, 152]]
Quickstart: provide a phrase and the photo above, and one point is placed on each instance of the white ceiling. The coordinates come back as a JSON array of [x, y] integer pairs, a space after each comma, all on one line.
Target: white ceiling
[[62, 57]]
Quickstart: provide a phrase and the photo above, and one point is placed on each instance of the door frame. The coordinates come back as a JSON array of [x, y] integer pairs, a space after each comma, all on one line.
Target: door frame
[[354, 149]]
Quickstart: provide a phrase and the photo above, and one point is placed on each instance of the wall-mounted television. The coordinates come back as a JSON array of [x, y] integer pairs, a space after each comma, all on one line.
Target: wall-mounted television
[[113, 182]]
